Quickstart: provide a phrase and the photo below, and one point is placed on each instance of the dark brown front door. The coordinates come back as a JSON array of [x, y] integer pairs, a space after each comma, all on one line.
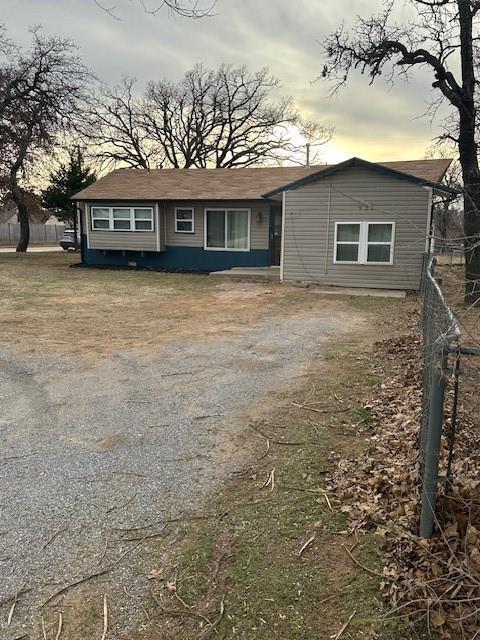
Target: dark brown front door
[[275, 234]]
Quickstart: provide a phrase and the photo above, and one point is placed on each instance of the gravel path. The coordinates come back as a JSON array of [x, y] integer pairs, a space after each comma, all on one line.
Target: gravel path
[[86, 451]]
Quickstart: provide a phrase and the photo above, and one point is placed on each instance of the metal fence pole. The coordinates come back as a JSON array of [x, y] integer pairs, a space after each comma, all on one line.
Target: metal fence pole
[[433, 443]]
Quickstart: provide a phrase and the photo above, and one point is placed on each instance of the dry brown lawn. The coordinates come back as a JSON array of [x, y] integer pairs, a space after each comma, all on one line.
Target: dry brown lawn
[[245, 556], [49, 308]]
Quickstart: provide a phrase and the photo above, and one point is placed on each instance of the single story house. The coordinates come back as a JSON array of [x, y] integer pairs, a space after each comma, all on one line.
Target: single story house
[[355, 223]]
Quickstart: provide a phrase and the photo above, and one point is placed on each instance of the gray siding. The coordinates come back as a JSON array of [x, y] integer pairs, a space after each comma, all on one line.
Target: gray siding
[[165, 226], [259, 231], [357, 194], [126, 240]]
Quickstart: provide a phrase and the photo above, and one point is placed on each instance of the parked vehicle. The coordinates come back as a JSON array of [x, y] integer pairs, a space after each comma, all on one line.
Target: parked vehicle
[[69, 242]]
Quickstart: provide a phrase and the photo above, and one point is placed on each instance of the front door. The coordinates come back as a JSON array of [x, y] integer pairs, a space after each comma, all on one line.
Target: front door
[[275, 234]]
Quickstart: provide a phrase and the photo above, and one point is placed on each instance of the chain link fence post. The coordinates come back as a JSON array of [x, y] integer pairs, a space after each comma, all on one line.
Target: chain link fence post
[[433, 439], [441, 333], [441, 343]]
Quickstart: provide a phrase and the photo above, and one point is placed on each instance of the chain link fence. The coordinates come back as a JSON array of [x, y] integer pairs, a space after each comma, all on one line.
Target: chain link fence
[[442, 350]]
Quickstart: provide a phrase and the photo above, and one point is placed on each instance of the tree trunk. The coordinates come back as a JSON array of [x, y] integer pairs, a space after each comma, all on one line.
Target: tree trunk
[[19, 198], [467, 148], [471, 242]]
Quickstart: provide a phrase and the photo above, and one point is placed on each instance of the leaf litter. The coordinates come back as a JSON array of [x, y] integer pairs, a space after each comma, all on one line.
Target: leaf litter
[[434, 582]]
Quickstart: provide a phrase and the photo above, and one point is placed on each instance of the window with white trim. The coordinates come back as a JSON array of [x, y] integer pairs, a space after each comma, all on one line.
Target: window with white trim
[[364, 242], [347, 242], [122, 218], [227, 229], [184, 220], [100, 217]]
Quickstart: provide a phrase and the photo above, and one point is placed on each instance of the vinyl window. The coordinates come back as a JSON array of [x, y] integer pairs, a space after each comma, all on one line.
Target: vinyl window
[[364, 242], [184, 220], [100, 218], [122, 218], [227, 229]]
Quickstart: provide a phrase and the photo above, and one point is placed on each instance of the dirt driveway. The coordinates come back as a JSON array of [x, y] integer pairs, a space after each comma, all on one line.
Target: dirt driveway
[[125, 397]]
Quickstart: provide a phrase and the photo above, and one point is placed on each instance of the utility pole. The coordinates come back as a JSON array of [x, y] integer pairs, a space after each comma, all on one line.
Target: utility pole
[[308, 154]]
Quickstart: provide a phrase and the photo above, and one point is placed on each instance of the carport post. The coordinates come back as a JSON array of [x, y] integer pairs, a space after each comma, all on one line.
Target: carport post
[[433, 442]]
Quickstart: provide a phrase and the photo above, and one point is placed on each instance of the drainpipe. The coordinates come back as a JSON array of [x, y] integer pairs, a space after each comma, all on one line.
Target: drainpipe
[[282, 245], [80, 226]]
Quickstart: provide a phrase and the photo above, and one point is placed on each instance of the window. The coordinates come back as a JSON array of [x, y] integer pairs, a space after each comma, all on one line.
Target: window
[[364, 242], [184, 220], [122, 218], [380, 242], [100, 218], [227, 229], [348, 243], [143, 219]]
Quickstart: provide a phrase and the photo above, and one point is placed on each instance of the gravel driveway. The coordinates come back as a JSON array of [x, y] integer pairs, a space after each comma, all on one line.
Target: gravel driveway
[[89, 452]]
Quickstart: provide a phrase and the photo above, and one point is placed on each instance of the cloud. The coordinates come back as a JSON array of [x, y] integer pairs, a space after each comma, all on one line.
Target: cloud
[[377, 122]]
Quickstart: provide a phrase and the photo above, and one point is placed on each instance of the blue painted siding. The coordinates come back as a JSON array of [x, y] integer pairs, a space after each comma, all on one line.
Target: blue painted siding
[[178, 258]]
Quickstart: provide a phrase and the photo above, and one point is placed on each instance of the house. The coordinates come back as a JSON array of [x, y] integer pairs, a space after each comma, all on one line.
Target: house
[[355, 223], [36, 213]]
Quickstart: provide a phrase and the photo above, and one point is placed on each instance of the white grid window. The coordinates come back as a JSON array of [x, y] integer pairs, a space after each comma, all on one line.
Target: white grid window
[[364, 242], [122, 218], [100, 218], [184, 220]]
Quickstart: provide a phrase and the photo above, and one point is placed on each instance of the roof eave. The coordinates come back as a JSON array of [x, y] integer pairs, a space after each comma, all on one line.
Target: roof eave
[[359, 161], [179, 198]]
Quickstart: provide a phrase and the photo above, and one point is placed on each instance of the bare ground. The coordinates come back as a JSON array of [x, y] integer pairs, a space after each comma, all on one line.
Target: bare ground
[[125, 400]]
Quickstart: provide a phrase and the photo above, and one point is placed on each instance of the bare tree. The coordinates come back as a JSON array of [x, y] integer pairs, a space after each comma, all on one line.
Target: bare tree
[[40, 90], [211, 118], [113, 128], [186, 8], [445, 213], [442, 37], [219, 118]]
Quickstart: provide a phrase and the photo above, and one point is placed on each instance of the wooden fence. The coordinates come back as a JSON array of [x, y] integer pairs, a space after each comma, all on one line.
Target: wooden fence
[[39, 233]]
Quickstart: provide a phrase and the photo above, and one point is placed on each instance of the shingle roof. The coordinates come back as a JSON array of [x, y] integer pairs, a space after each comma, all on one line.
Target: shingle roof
[[389, 168], [224, 184]]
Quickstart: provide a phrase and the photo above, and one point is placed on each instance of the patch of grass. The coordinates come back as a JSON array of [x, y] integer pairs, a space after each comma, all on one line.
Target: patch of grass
[[374, 304], [43, 299], [362, 416], [250, 558], [52, 271]]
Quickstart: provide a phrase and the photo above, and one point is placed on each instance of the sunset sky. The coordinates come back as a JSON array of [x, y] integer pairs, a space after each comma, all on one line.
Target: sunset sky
[[377, 122]]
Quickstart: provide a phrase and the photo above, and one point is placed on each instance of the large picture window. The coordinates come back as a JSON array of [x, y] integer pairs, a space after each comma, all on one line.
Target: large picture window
[[364, 242], [122, 218], [227, 229]]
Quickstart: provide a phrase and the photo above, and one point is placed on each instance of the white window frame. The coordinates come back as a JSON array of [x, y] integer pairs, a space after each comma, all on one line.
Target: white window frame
[[113, 219], [355, 242], [106, 217], [225, 209], [192, 211], [133, 220], [363, 242], [391, 243]]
